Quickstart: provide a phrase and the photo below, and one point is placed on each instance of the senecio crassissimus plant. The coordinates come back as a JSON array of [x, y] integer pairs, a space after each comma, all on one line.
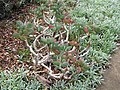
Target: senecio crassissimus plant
[[54, 42], [102, 20]]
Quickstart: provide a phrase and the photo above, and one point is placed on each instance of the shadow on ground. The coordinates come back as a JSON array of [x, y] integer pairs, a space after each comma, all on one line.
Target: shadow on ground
[[112, 75]]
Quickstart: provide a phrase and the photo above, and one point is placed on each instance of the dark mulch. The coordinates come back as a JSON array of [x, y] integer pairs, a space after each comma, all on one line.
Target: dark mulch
[[9, 46]]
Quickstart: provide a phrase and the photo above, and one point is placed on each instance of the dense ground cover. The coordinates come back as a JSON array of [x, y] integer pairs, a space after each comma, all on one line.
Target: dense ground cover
[[75, 39]]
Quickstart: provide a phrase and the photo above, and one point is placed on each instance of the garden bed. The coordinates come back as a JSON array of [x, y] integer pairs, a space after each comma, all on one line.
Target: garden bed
[[59, 45]]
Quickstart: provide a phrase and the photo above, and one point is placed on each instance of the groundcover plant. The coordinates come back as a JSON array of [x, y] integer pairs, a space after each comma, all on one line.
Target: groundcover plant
[[68, 43]]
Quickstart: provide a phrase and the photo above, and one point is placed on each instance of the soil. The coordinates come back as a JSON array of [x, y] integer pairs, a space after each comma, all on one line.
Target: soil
[[112, 75], [9, 46]]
